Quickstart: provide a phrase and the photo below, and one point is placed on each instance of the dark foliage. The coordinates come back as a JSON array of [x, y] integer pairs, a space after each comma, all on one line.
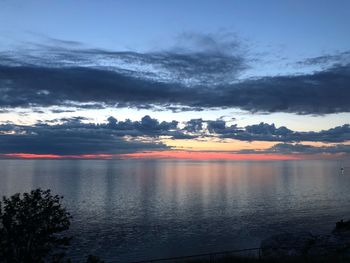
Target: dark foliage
[[30, 227]]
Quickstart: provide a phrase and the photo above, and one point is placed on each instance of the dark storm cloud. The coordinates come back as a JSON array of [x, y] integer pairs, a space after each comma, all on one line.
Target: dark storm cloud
[[178, 79]]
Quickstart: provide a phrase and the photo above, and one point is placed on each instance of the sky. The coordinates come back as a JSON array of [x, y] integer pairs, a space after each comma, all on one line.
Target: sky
[[175, 79]]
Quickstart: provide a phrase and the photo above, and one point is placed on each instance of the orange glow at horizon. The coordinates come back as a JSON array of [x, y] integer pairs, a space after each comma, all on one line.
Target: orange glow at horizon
[[222, 145], [56, 156], [31, 156], [191, 155], [195, 155]]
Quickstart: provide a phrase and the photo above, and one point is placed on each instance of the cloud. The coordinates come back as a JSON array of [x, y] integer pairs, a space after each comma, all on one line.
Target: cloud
[[300, 148], [72, 136], [219, 127], [340, 58], [269, 132], [198, 58], [288, 148], [318, 93], [202, 76], [61, 110], [72, 143], [35, 86], [77, 136], [195, 58], [265, 132], [147, 126], [194, 125]]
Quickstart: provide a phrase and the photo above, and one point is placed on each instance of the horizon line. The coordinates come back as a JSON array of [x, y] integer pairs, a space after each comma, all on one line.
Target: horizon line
[[176, 155]]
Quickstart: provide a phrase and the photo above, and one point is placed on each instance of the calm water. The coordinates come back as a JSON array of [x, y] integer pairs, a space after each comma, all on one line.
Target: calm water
[[133, 210]]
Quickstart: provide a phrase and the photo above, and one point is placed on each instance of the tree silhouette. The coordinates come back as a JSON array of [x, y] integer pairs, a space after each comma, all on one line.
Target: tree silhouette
[[31, 227]]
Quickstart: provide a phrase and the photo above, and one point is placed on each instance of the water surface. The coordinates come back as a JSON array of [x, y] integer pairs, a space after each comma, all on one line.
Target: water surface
[[127, 210]]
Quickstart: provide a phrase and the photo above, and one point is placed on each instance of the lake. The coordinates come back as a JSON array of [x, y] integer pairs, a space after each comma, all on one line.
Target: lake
[[126, 210]]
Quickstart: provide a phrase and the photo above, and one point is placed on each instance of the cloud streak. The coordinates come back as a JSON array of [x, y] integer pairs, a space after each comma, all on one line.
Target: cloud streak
[[291, 149]]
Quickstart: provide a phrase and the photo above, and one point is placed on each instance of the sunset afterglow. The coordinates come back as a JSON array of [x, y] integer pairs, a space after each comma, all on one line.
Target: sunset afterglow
[[172, 91]]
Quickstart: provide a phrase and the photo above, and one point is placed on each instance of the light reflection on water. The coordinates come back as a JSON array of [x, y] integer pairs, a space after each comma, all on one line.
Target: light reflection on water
[[130, 210]]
